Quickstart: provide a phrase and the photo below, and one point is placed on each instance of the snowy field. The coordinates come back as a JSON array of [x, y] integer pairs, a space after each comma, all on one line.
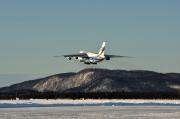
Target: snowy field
[[88, 102], [89, 109], [92, 112]]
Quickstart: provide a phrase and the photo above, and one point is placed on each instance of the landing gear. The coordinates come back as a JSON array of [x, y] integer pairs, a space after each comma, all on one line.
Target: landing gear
[[87, 63], [90, 63]]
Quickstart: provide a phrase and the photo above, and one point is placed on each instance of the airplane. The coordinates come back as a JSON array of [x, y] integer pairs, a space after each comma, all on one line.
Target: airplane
[[92, 58]]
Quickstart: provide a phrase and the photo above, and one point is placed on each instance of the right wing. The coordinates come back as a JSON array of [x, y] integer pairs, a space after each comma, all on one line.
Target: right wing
[[117, 56]]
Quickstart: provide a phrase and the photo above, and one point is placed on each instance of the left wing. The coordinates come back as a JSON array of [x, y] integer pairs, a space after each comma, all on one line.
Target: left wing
[[83, 55]]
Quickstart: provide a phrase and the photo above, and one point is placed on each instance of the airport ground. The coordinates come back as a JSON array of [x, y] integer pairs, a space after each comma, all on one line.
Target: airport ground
[[92, 112]]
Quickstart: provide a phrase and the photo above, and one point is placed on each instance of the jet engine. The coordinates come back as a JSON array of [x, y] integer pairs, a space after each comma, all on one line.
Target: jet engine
[[107, 58], [69, 58]]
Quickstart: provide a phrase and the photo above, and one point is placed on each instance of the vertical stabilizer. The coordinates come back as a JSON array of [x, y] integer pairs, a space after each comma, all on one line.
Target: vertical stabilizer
[[102, 50]]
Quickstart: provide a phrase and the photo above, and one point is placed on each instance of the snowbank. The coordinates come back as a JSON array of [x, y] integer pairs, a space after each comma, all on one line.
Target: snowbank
[[89, 102]]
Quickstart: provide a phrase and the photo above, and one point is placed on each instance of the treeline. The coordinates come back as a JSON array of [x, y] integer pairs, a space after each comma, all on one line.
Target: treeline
[[92, 95]]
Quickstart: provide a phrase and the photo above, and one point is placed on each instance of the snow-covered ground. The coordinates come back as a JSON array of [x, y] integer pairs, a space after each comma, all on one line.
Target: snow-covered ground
[[92, 112], [89, 109], [87, 102]]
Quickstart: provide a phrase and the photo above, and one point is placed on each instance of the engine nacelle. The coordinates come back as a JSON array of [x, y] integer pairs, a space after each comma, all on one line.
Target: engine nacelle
[[107, 58], [78, 58], [69, 58]]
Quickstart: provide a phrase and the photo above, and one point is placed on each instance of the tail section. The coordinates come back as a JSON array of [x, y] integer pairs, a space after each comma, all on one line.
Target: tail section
[[102, 50]]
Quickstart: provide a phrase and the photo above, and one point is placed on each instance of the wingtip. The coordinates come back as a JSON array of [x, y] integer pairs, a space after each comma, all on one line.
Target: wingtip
[[59, 56]]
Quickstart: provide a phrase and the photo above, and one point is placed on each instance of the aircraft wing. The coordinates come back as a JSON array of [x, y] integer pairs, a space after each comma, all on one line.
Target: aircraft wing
[[117, 56], [83, 55]]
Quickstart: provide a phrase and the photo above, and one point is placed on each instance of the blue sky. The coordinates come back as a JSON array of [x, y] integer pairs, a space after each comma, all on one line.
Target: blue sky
[[32, 32]]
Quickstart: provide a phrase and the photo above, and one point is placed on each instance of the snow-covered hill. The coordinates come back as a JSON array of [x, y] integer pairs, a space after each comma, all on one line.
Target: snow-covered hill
[[102, 80]]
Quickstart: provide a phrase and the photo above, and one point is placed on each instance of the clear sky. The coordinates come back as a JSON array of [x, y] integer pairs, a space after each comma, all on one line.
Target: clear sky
[[33, 31]]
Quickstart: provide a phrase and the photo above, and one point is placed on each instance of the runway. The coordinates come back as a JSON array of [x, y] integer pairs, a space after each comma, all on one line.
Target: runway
[[92, 112]]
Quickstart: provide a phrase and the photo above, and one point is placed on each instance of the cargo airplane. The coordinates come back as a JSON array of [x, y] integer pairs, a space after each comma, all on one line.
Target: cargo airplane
[[92, 58]]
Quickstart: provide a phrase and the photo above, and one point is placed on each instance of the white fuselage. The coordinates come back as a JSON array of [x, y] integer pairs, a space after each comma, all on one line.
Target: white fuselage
[[93, 58]]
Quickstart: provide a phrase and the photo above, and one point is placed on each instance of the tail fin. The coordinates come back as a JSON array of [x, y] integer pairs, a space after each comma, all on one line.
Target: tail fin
[[102, 50]]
